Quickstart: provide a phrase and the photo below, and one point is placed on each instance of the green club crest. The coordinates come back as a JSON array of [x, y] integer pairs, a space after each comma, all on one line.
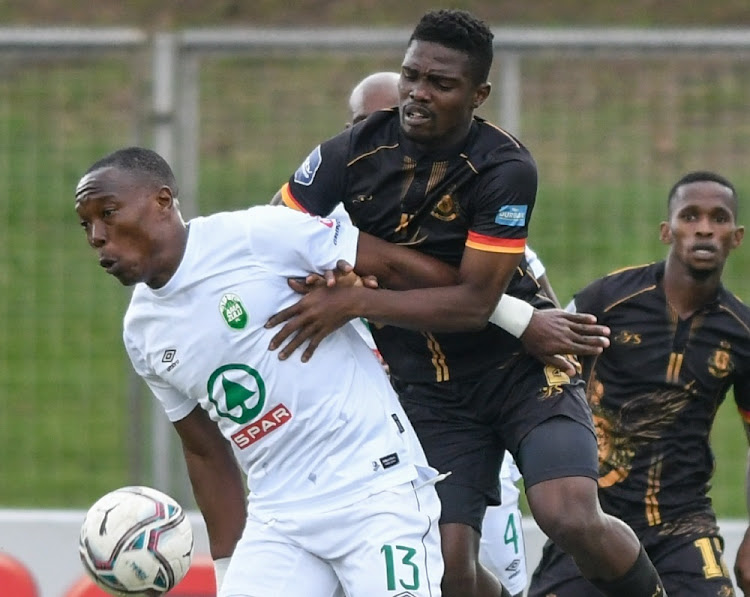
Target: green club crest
[[237, 392], [233, 311]]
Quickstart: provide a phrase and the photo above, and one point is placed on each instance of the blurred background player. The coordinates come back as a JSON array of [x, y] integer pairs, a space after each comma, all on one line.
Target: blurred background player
[[378, 91], [340, 493], [434, 177], [680, 341]]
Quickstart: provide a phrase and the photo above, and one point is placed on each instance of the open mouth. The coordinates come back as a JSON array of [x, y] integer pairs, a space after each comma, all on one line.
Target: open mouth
[[107, 264], [703, 251], [416, 115]]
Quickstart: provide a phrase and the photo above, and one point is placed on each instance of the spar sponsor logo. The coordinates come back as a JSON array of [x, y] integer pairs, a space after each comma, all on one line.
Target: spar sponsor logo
[[271, 421]]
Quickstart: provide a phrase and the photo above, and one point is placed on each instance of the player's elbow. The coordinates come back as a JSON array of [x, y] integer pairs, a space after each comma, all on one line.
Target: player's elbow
[[475, 316]]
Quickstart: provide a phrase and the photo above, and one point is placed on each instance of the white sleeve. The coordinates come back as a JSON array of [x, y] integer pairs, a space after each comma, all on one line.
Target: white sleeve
[[535, 264], [293, 243], [175, 404], [571, 307]]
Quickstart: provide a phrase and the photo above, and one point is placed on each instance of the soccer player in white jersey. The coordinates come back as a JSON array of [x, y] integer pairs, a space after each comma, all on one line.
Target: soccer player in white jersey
[[501, 547], [341, 498]]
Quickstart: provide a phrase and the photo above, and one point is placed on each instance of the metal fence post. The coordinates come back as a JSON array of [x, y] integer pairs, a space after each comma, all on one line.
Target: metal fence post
[[510, 92], [163, 111]]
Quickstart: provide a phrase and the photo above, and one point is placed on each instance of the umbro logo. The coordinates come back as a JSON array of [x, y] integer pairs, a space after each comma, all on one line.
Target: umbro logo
[[169, 357], [514, 568]]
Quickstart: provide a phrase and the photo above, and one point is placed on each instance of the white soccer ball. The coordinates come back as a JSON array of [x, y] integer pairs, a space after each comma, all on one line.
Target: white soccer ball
[[136, 540]]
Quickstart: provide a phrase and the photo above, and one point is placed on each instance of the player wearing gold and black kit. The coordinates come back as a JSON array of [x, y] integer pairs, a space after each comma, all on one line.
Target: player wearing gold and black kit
[[680, 341], [432, 176]]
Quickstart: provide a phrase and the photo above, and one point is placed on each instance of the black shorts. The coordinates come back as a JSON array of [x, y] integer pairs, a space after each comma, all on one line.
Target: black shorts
[[466, 426], [689, 566]]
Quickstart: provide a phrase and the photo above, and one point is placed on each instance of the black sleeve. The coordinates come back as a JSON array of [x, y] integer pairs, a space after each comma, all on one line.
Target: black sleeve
[[318, 184]]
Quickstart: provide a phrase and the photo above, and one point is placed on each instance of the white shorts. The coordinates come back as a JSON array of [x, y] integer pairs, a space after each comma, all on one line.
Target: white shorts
[[387, 544], [501, 548]]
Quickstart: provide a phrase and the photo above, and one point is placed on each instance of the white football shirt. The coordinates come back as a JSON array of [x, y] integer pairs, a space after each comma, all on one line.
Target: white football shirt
[[316, 434]]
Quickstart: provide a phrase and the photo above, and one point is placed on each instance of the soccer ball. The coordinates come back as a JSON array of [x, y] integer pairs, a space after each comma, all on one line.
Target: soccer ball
[[136, 540]]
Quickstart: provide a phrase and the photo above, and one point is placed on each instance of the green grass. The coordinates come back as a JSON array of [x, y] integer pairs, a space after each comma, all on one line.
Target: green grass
[[609, 136]]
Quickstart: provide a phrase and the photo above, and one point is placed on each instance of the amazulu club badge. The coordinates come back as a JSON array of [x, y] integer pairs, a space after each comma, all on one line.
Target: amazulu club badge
[[233, 311]]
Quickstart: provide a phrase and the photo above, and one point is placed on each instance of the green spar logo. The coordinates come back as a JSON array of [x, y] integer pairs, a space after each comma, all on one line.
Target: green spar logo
[[238, 392], [232, 311]]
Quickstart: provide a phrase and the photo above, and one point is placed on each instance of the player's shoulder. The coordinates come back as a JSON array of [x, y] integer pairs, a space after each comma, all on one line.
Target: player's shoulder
[[380, 130], [735, 305], [635, 274], [493, 145], [623, 283]]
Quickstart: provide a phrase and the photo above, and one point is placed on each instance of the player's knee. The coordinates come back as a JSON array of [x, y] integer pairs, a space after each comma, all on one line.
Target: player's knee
[[460, 547], [573, 532], [567, 510], [459, 581], [459, 571]]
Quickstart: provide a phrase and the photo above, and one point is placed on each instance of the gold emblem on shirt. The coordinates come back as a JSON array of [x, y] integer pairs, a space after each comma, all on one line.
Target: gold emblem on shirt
[[720, 362], [445, 209]]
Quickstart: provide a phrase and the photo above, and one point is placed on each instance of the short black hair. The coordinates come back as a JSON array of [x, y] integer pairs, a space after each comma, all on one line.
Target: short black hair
[[702, 176], [142, 161], [459, 30]]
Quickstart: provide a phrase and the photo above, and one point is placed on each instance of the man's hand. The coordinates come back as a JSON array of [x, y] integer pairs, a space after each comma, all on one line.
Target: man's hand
[[553, 333], [320, 312], [343, 275], [742, 564]]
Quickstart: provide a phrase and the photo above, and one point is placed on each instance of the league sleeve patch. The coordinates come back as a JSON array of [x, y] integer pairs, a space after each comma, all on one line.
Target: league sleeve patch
[[305, 174], [511, 215]]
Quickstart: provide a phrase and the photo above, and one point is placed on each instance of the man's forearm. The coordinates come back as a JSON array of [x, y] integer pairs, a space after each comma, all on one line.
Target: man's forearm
[[399, 268], [446, 309], [220, 494]]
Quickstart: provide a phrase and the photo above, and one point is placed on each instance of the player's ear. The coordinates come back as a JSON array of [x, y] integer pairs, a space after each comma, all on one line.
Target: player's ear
[[164, 197], [737, 236], [480, 94], [665, 233]]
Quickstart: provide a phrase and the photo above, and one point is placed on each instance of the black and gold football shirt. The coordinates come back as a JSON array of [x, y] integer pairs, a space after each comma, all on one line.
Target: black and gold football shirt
[[479, 194], [655, 391]]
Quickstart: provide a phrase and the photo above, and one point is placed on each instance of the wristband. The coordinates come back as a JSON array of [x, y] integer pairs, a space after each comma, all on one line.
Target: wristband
[[512, 314], [220, 570]]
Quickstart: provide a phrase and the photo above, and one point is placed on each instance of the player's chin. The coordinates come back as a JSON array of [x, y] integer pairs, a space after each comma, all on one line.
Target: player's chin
[[125, 279], [418, 134], [704, 268]]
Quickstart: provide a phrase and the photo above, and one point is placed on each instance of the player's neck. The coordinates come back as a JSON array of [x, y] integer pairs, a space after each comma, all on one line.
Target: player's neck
[[686, 292], [171, 255]]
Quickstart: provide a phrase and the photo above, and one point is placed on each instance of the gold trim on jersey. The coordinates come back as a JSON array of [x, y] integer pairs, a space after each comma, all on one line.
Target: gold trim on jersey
[[733, 314], [630, 296], [371, 152], [409, 168], [442, 373], [504, 132], [674, 366], [469, 164], [437, 174], [628, 268], [654, 486]]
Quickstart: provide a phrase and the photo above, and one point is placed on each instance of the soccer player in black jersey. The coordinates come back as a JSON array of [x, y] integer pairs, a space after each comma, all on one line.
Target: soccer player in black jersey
[[432, 176], [680, 340]]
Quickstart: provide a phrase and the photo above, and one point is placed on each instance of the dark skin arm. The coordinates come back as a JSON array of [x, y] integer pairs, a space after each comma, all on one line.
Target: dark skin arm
[[742, 561], [426, 294], [217, 481]]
